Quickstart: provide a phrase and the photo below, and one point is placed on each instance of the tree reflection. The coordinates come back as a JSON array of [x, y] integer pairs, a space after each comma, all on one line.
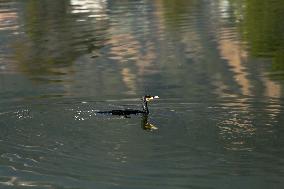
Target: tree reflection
[[239, 127], [54, 37], [263, 29]]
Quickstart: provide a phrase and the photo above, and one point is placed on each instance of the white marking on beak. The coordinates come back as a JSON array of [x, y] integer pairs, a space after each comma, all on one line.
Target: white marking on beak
[[156, 97]]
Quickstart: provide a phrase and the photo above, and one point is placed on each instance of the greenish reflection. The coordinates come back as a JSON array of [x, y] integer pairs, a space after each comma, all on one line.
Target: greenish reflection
[[263, 30]]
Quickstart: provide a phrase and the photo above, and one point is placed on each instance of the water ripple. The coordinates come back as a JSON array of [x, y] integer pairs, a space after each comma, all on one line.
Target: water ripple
[[219, 116]]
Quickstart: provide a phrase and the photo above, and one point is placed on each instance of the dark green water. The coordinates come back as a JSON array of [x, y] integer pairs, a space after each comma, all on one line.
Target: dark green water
[[218, 67]]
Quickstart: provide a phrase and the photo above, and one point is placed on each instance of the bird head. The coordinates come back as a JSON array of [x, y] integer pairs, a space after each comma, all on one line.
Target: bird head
[[149, 97]]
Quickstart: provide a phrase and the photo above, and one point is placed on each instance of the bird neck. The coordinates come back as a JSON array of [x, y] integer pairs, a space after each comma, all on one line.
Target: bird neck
[[145, 106]]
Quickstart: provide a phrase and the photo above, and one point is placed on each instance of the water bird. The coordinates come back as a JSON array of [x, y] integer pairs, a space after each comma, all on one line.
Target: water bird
[[126, 112]]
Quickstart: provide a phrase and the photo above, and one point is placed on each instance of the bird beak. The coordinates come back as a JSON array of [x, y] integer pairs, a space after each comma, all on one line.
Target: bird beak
[[156, 97]]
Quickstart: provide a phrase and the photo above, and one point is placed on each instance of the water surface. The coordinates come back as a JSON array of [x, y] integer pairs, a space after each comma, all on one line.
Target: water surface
[[216, 65]]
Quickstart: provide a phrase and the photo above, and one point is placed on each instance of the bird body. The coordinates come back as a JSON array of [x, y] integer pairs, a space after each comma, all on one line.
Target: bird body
[[127, 112]]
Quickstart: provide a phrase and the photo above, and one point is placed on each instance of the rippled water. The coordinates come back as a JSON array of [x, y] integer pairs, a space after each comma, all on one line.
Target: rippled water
[[216, 65]]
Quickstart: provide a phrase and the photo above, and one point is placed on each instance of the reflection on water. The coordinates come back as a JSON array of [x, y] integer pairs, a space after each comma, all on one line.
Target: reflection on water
[[217, 64], [265, 37], [146, 125], [50, 43], [237, 128], [97, 8], [8, 20]]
